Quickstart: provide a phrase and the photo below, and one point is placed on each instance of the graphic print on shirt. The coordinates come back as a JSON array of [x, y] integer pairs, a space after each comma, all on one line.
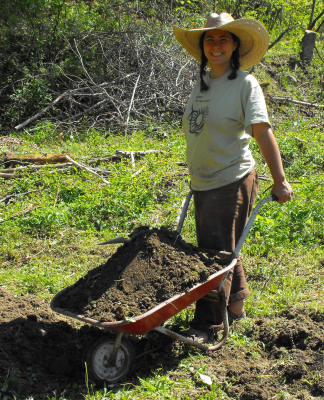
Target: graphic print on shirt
[[197, 120]]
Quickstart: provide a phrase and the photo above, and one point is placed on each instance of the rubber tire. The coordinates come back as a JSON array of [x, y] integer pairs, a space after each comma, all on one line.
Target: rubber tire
[[100, 351]]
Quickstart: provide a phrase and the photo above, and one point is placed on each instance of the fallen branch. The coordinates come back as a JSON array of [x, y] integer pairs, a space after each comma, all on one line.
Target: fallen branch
[[7, 176], [137, 172], [304, 103], [131, 103], [10, 158], [135, 154], [10, 196], [20, 213], [19, 169], [279, 38], [39, 114], [318, 53], [123, 153], [86, 168]]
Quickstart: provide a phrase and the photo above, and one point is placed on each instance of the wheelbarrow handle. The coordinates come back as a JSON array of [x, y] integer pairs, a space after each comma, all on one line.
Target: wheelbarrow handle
[[185, 206], [250, 222], [184, 210]]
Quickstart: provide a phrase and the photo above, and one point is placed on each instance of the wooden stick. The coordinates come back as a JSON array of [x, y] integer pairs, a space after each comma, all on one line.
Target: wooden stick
[[20, 213], [9, 196], [11, 158], [12, 171], [132, 159], [304, 103], [17, 169], [7, 176], [135, 153], [137, 172], [131, 103], [86, 168], [39, 114]]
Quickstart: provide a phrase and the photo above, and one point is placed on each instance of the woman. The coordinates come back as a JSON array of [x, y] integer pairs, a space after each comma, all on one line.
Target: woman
[[225, 109]]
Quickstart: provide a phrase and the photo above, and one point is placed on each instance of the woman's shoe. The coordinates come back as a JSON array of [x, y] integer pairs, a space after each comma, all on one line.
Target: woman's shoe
[[197, 335], [234, 317]]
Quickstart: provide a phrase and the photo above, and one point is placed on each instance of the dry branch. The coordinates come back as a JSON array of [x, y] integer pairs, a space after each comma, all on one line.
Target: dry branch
[[20, 213], [35, 167], [91, 170], [14, 159], [287, 100], [131, 103], [10, 196], [135, 154], [7, 176], [148, 81]]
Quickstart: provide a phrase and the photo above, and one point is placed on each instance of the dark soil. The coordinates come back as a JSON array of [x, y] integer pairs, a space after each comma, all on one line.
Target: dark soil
[[42, 354], [156, 265]]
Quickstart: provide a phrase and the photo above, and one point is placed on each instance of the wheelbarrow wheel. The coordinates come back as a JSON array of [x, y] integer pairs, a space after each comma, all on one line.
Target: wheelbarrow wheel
[[101, 368]]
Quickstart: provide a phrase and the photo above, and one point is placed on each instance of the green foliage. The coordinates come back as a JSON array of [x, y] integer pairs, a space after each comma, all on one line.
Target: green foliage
[[50, 46]]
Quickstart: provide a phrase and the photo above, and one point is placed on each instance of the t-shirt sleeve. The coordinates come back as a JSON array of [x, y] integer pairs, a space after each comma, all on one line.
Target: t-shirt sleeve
[[254, 105]]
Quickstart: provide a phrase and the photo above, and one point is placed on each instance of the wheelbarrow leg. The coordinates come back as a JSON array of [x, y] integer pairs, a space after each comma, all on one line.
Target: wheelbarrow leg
[[223, 304], [174, 335], [113, 356]]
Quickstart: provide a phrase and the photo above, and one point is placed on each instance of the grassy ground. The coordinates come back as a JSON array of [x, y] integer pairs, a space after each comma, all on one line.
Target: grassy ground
[[53, 245]]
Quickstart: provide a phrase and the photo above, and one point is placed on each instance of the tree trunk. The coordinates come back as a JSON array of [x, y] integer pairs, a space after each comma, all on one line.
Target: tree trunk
[[308, 45]]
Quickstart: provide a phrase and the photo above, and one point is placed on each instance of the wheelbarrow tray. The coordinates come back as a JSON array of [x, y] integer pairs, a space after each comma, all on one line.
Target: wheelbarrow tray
[[149, 320]]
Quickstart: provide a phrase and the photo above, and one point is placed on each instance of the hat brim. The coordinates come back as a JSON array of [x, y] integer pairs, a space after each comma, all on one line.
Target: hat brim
[[252, 34]]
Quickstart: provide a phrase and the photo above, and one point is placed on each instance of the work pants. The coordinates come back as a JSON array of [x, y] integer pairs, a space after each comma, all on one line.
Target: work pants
[[221, 215]]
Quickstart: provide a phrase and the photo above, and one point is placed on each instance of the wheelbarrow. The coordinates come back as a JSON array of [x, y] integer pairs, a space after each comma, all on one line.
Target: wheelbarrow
[[109, 359]]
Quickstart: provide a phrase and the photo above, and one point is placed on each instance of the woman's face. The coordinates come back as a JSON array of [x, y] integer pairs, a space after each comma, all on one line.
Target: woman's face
[[218, 47]]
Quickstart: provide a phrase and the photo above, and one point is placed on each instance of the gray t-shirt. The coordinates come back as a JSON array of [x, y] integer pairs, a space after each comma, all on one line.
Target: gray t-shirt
[[217, 126]]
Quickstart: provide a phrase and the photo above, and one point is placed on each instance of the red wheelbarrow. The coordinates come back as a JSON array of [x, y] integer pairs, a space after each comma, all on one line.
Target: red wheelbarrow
[[109, 360]]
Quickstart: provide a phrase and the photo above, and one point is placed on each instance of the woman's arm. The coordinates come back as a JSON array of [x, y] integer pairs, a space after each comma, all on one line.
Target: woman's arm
[[264, 136]]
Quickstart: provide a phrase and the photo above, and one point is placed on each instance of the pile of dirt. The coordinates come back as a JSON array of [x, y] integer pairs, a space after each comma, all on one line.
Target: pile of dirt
[[40, 352], [151, 268]]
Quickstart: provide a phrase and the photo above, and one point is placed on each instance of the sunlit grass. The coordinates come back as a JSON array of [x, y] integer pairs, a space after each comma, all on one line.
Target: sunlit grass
[[51, 247]]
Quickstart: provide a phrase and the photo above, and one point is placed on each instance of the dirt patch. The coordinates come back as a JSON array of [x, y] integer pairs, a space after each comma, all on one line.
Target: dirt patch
[[156, 265], [42, 353]]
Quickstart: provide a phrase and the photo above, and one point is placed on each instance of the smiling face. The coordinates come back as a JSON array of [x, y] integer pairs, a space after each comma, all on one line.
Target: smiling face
[[218, 48]]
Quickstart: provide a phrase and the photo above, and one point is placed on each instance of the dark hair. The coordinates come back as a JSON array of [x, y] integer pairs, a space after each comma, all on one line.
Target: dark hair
[[235, 60]]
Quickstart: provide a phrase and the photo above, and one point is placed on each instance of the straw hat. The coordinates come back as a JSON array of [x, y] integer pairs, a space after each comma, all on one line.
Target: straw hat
[[253, 36]]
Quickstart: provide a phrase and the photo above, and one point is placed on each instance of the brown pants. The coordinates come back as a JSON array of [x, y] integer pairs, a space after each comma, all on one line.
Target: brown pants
[[221, 215]]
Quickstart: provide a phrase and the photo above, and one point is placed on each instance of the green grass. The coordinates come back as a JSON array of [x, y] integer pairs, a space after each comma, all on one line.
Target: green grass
[[52, 246]]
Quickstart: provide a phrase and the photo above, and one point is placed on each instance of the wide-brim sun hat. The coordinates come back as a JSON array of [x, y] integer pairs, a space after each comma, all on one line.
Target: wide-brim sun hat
[[253, 36]]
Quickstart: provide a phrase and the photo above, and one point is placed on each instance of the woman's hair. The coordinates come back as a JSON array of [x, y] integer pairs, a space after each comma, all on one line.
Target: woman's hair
[[235, 60]]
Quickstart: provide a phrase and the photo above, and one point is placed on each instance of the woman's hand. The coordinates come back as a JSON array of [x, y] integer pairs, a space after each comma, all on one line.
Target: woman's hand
[[283, 191]]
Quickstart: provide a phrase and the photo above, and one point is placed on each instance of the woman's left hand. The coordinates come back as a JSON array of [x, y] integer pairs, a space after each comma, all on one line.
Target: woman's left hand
[[283, 191]]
